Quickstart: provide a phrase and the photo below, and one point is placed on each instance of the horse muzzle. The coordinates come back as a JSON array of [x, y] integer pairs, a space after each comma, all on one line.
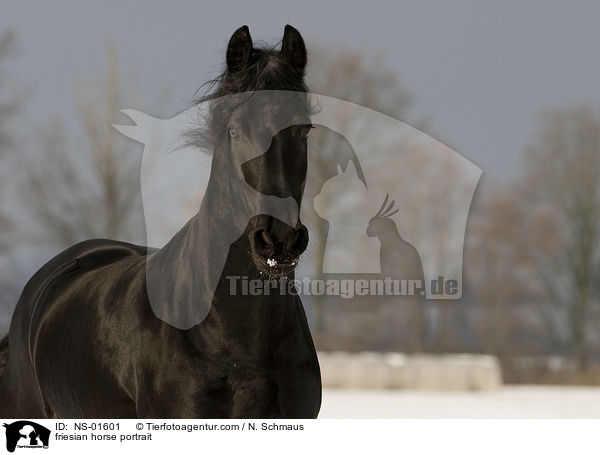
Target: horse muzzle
[[276, 247]]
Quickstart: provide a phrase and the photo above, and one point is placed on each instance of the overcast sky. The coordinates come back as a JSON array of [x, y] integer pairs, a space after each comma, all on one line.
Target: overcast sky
[[479, 71]]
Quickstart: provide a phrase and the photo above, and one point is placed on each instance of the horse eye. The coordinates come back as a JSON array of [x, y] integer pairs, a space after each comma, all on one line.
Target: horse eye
[[233, 132]]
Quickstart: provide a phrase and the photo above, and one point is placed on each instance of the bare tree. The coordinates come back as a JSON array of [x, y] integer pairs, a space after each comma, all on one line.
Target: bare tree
[[501, 269], [8, 109], [87, 186], [364, 80], [355, 76], [8, 106], [562, 183]]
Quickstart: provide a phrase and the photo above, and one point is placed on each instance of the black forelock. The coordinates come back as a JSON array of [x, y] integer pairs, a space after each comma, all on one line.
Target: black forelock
[[264, 71]]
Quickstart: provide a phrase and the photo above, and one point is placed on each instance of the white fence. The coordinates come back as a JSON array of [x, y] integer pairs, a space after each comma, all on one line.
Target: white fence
[[372, 370]]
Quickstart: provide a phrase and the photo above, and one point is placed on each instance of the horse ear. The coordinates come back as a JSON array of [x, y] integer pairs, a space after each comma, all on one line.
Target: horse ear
[[239, 49], [292, 48]]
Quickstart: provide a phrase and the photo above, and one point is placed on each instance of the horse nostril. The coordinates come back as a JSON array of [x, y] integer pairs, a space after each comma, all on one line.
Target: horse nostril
[[266, 238], [281, 242], [301, 239], [263, 243]]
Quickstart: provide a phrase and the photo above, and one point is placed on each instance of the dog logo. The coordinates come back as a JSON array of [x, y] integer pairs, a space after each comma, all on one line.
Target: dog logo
[[26, 434]]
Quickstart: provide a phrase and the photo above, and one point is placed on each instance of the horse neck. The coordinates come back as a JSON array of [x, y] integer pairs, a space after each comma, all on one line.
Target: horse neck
[[194, 265], [253, 324], [189, 244]]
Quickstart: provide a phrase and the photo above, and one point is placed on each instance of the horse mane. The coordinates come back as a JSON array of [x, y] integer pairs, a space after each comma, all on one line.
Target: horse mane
[[264, 71]]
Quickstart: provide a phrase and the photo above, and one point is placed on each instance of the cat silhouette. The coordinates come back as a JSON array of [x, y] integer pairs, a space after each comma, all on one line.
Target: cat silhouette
[[342, 203]]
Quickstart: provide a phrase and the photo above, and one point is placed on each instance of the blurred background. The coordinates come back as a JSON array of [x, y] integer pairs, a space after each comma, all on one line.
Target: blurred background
[[511, 87]]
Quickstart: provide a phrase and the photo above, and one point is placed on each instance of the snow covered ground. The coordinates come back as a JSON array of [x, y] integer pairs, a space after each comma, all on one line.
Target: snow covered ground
[[506, 402]]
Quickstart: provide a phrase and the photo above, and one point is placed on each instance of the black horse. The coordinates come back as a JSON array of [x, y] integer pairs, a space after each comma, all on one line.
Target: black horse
[[85, 340]]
